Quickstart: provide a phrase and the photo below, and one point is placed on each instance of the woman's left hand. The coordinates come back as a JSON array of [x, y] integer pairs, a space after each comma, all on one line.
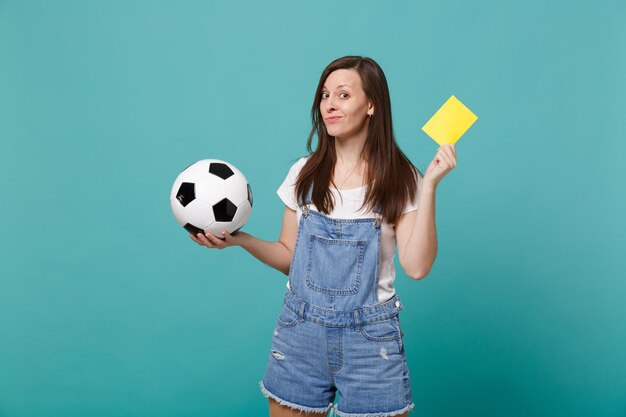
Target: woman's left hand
[[444, 162]]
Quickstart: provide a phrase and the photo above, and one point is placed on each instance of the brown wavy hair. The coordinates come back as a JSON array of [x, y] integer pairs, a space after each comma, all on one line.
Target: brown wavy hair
[[391, 176]]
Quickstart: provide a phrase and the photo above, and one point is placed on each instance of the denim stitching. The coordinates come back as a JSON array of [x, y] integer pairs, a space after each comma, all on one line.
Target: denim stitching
[[359, 244], [291, 405], [331, 369], [293, 255], [377, 271], [290, 324], [376, 313], [400, 339], [396, 336]]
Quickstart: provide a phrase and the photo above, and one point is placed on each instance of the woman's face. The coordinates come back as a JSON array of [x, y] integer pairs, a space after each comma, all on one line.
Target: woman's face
[[343, 104]]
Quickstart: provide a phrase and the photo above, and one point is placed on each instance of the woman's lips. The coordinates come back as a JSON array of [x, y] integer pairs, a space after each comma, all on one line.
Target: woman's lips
[[333, 118]]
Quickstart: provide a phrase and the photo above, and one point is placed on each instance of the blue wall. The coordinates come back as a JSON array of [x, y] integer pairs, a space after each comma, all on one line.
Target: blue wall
[[107, 308]]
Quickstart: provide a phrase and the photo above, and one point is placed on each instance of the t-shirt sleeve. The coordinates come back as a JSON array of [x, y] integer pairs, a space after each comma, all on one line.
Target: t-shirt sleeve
[[287, 190], [415, 203]]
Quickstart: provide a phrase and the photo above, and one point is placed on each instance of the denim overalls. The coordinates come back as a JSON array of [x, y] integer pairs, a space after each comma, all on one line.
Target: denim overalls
[[332, 334]]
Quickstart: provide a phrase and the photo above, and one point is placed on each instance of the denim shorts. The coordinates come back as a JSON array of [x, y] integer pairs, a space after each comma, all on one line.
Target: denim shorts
[[315, 354]]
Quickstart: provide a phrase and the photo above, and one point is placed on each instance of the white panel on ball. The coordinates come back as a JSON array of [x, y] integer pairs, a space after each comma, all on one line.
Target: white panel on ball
[[199, 214]]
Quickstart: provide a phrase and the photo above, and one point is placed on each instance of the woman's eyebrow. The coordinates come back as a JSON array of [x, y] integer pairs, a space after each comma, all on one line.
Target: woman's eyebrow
[[339, 86]]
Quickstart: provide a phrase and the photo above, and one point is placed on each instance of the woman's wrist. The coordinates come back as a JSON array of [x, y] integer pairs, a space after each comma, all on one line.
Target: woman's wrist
[[241, 238], [428, 188]]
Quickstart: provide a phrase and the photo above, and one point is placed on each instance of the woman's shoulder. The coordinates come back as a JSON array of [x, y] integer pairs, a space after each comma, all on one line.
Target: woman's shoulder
[[297, 166], [301, 161], [294, 171]]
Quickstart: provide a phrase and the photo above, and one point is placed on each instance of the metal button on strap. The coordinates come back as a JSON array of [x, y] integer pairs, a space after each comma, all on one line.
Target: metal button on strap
[[397, 303]]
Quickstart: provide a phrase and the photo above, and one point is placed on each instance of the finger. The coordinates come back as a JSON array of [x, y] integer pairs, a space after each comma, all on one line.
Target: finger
[[204, 241], [445, 159], [439, 156], [448, 148], [195, 239], [214, 240], [450, 156]]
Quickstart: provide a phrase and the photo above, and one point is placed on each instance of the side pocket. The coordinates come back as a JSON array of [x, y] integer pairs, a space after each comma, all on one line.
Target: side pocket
[[382, 331], [401, 340], [287, 318]]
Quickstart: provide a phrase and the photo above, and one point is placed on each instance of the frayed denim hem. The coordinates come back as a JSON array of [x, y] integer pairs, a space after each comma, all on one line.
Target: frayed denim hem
[[293, 406], [387, 414]]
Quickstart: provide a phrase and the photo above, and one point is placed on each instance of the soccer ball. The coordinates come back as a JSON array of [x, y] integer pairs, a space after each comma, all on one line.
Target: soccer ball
[[211, 196]]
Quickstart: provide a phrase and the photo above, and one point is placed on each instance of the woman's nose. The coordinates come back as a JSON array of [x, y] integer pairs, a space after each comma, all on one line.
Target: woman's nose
[[330, 104]]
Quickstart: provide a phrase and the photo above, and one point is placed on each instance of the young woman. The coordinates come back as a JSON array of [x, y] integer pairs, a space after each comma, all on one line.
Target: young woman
[[349, 204]]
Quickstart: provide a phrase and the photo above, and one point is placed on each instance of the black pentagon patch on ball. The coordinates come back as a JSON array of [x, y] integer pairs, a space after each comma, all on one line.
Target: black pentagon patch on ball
[[250, 195], [224, 211], [186, 193], [221, 170], [193, 229]]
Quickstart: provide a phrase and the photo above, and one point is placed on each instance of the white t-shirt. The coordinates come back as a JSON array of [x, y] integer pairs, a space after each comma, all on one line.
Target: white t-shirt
[[346, 208]]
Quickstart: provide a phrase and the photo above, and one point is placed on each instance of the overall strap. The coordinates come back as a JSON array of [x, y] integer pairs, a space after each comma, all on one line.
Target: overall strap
[[308, 195], [307, 202], [378, 216]]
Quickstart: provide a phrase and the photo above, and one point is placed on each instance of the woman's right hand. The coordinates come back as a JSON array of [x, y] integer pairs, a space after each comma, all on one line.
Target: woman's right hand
[[213, 242]]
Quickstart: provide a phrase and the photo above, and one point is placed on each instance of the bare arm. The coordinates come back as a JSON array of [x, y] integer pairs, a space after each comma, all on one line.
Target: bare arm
[[416, 233], [417, 236], [275, 254]]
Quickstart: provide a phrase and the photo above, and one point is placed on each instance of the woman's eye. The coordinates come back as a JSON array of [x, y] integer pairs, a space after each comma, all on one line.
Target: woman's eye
[[325, 95]]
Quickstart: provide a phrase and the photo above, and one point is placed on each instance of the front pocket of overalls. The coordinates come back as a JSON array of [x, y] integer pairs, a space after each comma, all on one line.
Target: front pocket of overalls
[[382, 331], [287, 318], [334, 265]]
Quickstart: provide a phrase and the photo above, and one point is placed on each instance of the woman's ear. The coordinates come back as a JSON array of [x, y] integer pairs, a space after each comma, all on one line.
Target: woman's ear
[[370, 110]]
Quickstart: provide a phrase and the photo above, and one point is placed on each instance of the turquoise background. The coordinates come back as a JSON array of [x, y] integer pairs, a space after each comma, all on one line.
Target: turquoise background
[[107, 308]]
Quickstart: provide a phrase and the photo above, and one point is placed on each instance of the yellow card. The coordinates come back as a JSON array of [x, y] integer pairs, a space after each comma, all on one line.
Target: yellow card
[[450, 122]]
